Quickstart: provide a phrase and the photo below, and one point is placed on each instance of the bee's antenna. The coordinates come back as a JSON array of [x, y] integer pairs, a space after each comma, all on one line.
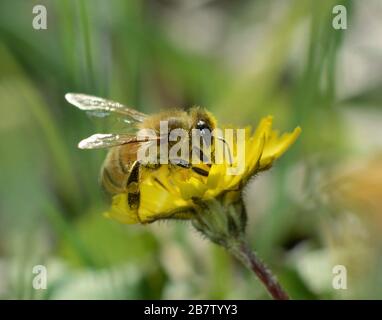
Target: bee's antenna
[[229, 150]]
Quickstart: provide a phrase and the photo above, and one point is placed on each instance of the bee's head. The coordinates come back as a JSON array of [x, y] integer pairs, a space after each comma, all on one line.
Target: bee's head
[[202, 120]]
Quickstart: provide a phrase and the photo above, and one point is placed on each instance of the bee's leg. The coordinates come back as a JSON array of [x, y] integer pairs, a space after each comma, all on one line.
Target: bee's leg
[[132, 186], [186, 165], [181, 163], [205, 162], [200, 171]]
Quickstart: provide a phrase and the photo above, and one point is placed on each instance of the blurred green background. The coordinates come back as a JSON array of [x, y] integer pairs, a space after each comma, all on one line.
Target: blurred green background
[[320, 206]]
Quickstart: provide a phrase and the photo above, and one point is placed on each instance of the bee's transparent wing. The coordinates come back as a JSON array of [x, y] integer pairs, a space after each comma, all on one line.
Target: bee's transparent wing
[[102, 107], [108, 140]]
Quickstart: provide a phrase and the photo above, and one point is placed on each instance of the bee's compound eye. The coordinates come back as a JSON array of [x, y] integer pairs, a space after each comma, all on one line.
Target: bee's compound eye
[[201, 125], [205, 131]]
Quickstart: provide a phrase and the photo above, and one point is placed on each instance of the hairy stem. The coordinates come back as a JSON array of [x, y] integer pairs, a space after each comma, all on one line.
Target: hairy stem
[[243, 252]]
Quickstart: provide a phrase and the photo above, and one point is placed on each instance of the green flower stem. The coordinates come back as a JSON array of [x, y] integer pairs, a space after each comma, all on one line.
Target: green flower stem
[[243, 253], [223, 223]]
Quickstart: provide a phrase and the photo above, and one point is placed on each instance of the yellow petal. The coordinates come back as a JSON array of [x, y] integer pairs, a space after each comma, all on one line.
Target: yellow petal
[[215, 175], [276, 146], [264, 128], [192, 188], [254, 152], [156, 202]]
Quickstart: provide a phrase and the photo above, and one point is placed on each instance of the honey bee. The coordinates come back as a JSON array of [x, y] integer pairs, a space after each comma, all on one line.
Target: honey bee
[[120, 172]]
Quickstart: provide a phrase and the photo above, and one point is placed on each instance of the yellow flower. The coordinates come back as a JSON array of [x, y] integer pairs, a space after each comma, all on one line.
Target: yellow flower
[[168, 193]]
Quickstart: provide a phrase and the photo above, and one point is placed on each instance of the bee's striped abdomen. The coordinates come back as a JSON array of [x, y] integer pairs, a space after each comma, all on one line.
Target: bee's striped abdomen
[[115, 172], [120, 174]]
